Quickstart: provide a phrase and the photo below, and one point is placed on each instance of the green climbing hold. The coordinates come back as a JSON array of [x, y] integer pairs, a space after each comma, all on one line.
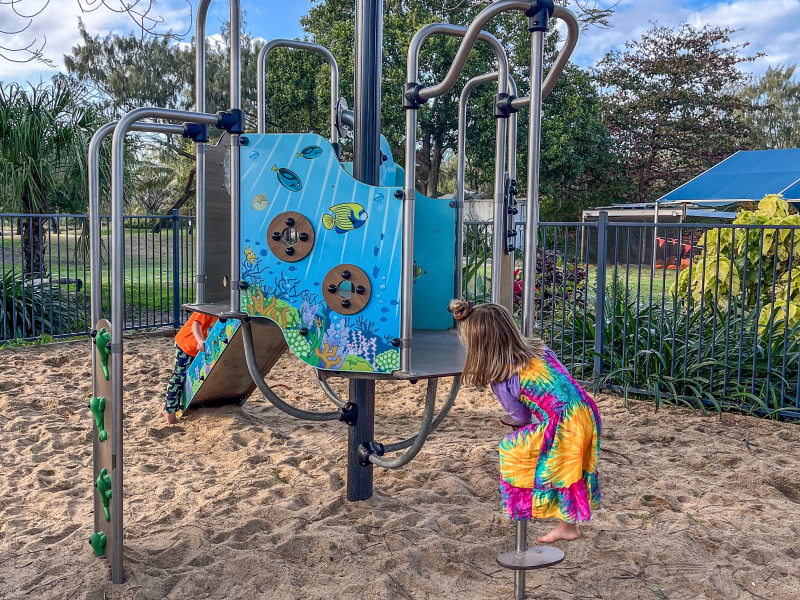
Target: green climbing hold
[[103, 485], [103, 340], [98, 407], [98, 542]]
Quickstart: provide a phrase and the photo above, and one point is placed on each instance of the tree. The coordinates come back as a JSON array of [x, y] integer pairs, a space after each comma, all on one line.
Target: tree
[[669, 101], [772, 109], [44, 137]]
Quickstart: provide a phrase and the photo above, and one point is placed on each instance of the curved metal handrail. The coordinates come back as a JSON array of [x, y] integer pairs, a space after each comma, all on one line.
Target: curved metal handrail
[[332, 396]]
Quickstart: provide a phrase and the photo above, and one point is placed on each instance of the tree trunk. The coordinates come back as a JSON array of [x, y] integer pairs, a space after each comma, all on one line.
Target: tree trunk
[[424, 162], [188, 192], [434, 170], [33, 230]]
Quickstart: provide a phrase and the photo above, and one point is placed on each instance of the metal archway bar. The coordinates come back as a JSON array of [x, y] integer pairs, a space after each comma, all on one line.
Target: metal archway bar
[[573, 32], [332, 396], [252, 366], [297, 45], [200, 148], [117, 315], [461, 161], [499, 170], [443, 412]]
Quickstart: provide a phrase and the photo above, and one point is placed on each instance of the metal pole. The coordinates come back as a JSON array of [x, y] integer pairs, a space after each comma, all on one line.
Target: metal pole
[[532, 215], [359, 478], [236, 185], [521, 546], [176, 268], [368, 57], [200, 152], [117, 315], [262, 80], [600, 309]]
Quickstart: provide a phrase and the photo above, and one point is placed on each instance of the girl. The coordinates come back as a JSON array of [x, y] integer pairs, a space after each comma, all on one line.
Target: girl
[[547, 469]]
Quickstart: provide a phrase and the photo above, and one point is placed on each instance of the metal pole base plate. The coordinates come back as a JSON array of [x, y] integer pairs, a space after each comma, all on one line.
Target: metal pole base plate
[[539, 557]]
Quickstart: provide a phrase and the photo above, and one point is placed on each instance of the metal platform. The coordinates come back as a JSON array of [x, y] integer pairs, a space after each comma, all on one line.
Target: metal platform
[[539, 557], [215, 309]]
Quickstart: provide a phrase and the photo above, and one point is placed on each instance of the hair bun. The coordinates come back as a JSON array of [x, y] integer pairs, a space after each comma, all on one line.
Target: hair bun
[[460, 309]]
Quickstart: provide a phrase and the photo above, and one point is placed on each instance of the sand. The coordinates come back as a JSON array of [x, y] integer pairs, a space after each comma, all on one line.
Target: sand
[[249, 503]]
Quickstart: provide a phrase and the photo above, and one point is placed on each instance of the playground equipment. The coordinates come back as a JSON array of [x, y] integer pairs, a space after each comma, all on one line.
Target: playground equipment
[[323, 262]]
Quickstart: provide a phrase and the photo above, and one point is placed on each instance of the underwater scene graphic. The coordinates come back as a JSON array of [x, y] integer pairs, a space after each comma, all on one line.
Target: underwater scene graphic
[[353, 223], [218, 338]]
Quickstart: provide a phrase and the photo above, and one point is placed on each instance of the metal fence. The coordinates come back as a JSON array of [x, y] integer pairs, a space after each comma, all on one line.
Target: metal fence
[[688, 312], [44, 265]]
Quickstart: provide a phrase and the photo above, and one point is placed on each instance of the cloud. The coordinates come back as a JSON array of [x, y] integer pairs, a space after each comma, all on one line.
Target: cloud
[[773, 27], [57, 23]]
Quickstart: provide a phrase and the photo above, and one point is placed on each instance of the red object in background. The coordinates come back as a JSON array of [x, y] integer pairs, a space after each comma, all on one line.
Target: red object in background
[[518, 282]]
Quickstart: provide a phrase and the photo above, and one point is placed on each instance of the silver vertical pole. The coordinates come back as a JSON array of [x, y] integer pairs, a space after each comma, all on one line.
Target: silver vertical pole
[[532, 217], [200, 153], [521, 546], [367, 95], [407, 282], [236, 103], [499, 238]]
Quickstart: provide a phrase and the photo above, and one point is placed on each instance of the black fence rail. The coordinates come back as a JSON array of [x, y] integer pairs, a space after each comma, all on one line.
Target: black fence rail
[[691, 312], [44, 266]]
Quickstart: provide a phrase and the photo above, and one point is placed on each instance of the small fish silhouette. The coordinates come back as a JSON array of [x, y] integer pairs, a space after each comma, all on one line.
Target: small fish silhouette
[[288, 179], [310, 152], [346, 217], [375, 271], [253, 155], [260, 202], [378, 197], [417, 271]]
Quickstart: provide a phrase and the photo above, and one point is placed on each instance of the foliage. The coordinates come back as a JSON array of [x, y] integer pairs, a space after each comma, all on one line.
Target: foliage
[[761, 264], [38, 308], [560, 282], [772, 109], [669, 101]]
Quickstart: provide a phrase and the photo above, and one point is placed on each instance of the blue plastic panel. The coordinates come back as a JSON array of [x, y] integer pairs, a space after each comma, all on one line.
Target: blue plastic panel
[[300, 172], [217, 340]]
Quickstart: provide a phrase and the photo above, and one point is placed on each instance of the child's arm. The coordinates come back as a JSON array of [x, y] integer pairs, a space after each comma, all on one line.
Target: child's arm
[[197, 331], [507, 393]]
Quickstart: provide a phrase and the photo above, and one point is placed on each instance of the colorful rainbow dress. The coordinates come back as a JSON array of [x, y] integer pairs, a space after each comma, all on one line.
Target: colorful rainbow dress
[[549, 469]]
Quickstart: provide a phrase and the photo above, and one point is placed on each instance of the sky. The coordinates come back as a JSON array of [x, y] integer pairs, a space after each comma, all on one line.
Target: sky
[[771, 26]]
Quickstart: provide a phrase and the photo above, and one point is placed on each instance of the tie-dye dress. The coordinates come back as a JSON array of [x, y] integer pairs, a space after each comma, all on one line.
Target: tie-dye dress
[[549, 469]]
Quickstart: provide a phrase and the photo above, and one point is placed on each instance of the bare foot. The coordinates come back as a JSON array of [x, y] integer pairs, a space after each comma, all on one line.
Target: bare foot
[[563, 531], [171, 418]]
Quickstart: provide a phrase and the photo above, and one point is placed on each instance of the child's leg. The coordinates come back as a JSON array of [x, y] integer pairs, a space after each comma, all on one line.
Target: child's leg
[[176, 380], [562, 531]]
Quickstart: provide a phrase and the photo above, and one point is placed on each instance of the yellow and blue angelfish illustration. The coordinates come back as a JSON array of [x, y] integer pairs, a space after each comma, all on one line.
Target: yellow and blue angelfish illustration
[[310, 152], [346, 217], [288, 179], [250, 255]]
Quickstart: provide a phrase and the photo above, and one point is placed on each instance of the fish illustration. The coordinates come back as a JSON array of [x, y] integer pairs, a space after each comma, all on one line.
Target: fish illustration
[[288, 179], [346, 217], [250, 255], [310, 152], [253, 156], [260, 202], [417, 270]]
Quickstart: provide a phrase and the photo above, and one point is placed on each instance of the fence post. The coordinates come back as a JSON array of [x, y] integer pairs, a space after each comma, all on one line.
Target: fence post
[[600, 305], [176, 267]]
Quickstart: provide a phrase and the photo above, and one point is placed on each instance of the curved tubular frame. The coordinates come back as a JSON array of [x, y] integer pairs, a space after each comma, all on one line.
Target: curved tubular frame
[[298, 45], [573, 32], [471, 34], [252, 366], [200, 157], [443, 412], [462, 163], [332, 396], [117, 315]]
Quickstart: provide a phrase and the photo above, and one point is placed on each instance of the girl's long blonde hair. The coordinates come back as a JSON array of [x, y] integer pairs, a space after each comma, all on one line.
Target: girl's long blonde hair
[[496, 349]]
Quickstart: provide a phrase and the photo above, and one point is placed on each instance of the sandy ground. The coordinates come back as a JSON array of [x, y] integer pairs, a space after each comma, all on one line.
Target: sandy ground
[[249, 503]]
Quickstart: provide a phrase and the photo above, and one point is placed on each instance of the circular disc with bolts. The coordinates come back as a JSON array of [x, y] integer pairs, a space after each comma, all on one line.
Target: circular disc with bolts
[[346, 289], [539, 557], [290, 236]]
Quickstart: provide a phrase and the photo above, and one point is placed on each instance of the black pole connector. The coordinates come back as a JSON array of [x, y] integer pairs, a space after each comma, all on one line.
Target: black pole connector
[[231, 121], [539, 15], [349, 414], [366, 450], [411, 99], [196, 131], [337, 150], [502, 105]]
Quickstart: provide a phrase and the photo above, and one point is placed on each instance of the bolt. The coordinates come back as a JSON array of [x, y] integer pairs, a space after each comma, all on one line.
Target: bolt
[[398, 194], [346, 274], [289, 250], [289, 222], [303, 237], [345, 303], [276, 236], [360, 289]]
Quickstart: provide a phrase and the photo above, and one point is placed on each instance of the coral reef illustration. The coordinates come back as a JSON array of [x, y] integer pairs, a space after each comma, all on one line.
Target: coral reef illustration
[[218, 339]]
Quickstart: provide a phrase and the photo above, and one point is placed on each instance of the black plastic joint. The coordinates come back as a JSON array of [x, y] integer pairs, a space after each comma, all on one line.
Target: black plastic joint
[[231, 121], [539, 15], [411, 99], [349, 414], [196, 131], [366, 450], [502, 105]]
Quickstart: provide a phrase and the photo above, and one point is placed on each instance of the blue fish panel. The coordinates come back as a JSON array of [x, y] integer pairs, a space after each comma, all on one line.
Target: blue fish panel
[[289, 294]]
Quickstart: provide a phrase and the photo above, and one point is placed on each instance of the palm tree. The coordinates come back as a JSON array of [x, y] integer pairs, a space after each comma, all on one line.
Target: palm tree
[[44, 136]]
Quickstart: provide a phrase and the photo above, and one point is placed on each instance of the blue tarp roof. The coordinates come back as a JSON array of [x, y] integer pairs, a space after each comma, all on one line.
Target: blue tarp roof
[[746, 176]]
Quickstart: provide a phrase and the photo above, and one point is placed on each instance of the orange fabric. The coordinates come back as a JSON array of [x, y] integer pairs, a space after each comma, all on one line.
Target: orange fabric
[[185, 338]]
